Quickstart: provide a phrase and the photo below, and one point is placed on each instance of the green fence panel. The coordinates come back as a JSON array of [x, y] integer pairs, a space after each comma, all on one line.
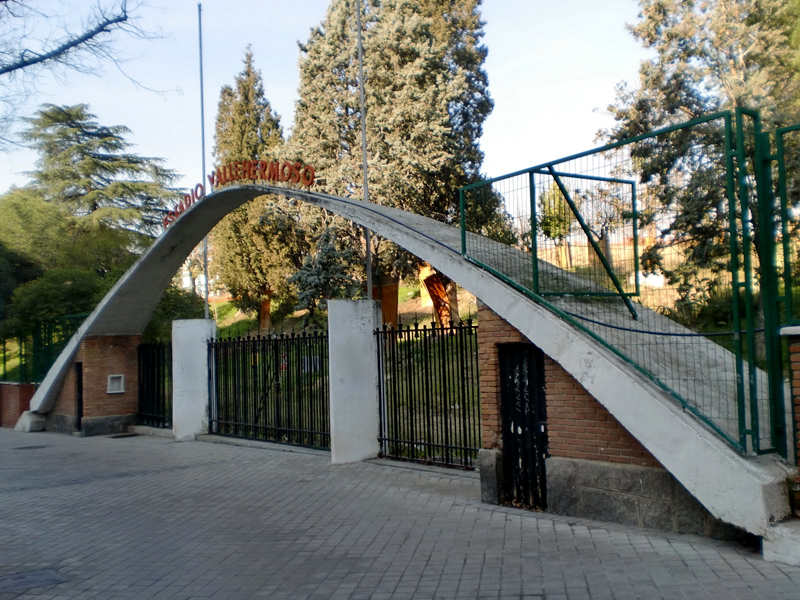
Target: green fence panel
[[650, 247]]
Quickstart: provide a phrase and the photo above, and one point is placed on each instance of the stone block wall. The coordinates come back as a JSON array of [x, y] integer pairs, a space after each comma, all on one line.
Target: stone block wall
[[103, 412], [15, 398]]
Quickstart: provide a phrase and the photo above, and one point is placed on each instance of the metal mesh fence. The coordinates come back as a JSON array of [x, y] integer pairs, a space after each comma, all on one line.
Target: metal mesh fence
[[646, 245]]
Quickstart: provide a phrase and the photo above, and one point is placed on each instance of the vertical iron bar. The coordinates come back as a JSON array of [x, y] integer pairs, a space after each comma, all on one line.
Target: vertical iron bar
[[534, 232], [769, 289], [744, 199]]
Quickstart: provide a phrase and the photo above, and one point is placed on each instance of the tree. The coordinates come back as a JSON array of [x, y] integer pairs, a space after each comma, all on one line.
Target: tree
[[250, 261], [426, 101], [555, 221], [69, 235], [83, 165], [35, 39], [15, 269], [325, 274], [710, 56]]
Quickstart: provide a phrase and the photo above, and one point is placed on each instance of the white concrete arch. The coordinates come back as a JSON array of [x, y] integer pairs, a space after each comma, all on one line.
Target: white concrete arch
[[746, 492]]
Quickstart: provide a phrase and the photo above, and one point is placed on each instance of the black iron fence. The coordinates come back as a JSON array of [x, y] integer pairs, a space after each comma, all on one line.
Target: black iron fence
[[429, 397], [271, 388], [155, 385]]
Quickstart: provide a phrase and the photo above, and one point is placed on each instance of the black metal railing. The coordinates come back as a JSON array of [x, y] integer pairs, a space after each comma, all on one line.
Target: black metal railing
[[429, 396], [272, 388], [155, 385]]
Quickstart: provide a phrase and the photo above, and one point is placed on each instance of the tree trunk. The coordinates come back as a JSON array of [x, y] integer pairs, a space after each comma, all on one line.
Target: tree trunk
[[264, 317], [386, 291], [605, 246], [443, 295], [568, 253], [452, 299]]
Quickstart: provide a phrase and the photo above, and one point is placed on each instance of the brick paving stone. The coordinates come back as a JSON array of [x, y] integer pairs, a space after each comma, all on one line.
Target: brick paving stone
[[144, 518]]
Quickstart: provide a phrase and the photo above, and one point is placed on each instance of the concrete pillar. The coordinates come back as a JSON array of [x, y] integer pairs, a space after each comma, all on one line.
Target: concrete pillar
[[353, 369], [190, 377]]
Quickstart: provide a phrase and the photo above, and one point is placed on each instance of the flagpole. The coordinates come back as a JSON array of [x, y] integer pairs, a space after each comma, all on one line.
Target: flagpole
[[364, 146], [203, 149]]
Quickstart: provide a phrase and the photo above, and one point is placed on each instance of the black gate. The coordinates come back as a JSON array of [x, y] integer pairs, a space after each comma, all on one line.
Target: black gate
[[272, 388], [155, 385], [522, 401], [429, 400]]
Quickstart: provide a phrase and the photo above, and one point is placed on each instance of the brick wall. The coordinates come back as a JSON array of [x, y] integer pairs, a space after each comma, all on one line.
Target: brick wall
[[578, 425], [794, 360], [102, 356], [15, 398], [492, 330]]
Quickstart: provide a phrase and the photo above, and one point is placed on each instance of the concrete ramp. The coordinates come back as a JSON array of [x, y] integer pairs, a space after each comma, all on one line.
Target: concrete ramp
[[747, 492]]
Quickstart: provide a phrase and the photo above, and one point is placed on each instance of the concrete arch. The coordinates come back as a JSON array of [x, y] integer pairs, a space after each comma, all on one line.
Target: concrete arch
[[745, 492]]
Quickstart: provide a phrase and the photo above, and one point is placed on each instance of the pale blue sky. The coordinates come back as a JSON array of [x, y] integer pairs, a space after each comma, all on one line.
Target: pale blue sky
[[552, 70]]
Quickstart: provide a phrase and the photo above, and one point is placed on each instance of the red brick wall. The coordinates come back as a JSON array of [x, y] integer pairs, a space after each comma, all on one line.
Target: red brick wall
[[578, 425], [15, 399], [794, 359], [492, 330], [102, 356]]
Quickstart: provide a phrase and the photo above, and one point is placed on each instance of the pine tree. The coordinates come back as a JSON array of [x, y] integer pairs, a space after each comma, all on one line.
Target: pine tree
[[83, 165], [248, 259]]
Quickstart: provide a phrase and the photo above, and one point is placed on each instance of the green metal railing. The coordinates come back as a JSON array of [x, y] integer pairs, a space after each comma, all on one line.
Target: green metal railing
[[26, 358], [662, 248]]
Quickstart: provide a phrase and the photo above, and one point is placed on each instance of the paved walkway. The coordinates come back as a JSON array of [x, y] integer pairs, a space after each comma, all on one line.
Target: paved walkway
[[142, 517]]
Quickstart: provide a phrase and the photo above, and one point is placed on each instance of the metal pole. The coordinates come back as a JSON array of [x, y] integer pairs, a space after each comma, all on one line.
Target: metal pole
[[364, 144], [203, 150]]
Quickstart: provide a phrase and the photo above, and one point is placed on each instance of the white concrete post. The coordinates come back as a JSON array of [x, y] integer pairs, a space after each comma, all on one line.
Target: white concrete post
[[353, 370], [190, 377]]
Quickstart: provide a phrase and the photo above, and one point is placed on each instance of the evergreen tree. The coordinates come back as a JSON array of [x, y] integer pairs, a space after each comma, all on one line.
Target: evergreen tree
[[79, 225], [426, 101], [83, 165], [556, 220], [247, 256], [246, 125]]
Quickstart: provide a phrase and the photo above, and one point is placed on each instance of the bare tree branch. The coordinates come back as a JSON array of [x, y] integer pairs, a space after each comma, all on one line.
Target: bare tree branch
[[104, 26], [40, 39]]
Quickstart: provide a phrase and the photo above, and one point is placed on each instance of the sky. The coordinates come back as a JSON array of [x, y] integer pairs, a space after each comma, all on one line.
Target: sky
[[552, 69]]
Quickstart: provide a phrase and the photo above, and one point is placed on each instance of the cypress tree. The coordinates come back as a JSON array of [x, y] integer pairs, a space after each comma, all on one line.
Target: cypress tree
[[426, 101], [248, 257]]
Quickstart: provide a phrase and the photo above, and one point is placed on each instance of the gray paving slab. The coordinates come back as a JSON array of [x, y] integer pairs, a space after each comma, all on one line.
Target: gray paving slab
[[144, 517]]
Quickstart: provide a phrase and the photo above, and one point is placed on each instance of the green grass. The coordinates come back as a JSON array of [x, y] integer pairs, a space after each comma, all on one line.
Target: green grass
[[12, 371], [408, 290], [242, 327]]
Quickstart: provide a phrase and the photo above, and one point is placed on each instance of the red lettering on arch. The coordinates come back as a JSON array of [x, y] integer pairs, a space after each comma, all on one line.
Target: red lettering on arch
[[307, 176], [286, 171], [274, 171]]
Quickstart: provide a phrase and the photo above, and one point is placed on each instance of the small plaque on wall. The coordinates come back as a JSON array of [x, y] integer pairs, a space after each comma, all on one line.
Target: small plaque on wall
[[116, 384]]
